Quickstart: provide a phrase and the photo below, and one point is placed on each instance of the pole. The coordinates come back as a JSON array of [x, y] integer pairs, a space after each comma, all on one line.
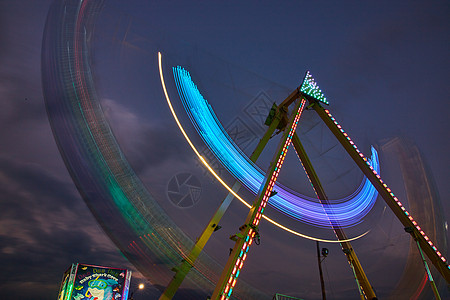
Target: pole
[[322, 284]]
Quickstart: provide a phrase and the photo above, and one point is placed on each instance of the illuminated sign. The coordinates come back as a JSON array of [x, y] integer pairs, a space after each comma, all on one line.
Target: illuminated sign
[[94, 282]]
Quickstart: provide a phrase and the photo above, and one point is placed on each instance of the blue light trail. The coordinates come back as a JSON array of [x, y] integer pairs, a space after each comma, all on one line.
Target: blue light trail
[[345, 212]]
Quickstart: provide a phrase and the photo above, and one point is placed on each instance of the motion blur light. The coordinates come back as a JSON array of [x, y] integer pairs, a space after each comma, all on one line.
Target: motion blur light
[[347, 212], [185, 76]]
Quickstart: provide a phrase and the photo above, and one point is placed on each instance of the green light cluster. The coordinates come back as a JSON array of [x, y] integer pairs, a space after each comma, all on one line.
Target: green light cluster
[[311, 88]]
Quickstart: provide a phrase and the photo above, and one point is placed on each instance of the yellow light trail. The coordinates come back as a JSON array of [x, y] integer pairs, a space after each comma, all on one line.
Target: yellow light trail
[[172, 110]]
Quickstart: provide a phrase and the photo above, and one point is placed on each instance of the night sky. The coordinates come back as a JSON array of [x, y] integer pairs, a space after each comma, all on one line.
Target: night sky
[[384, 66]]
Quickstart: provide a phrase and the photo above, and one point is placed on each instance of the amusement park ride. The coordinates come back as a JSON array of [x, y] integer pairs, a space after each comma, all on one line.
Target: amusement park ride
[[142, 231], [279, 119]]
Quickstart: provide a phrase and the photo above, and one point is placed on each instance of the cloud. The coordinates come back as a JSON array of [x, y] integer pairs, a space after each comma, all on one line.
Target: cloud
[[45, 226], [145, 143]]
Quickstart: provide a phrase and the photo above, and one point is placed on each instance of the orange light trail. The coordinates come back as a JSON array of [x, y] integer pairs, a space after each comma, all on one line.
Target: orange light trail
[[222, 182]]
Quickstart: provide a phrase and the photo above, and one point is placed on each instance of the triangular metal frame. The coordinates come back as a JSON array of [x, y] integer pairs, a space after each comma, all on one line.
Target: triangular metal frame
[[279, 120]]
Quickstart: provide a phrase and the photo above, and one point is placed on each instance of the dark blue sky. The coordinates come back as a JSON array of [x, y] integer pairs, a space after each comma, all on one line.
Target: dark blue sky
[[384, 67]]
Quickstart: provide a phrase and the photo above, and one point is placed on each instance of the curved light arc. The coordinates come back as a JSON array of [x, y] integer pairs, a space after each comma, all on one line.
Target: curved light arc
[[222, 182], [344, 212]]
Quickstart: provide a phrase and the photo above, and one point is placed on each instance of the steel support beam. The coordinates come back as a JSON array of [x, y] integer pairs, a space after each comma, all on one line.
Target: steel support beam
[[428, 247], [249, 230], [186, 265], [361, 278]]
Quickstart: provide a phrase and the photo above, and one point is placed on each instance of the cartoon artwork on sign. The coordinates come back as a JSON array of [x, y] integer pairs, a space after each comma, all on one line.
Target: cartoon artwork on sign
[[99, 283]]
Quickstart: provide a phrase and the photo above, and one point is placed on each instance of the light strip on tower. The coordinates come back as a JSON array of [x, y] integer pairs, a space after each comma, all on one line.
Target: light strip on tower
[[231, 282], [349, 210]]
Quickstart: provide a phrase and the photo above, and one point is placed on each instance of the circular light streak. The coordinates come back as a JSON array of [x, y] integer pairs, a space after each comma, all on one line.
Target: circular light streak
[[344, 212], [218, 178]]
